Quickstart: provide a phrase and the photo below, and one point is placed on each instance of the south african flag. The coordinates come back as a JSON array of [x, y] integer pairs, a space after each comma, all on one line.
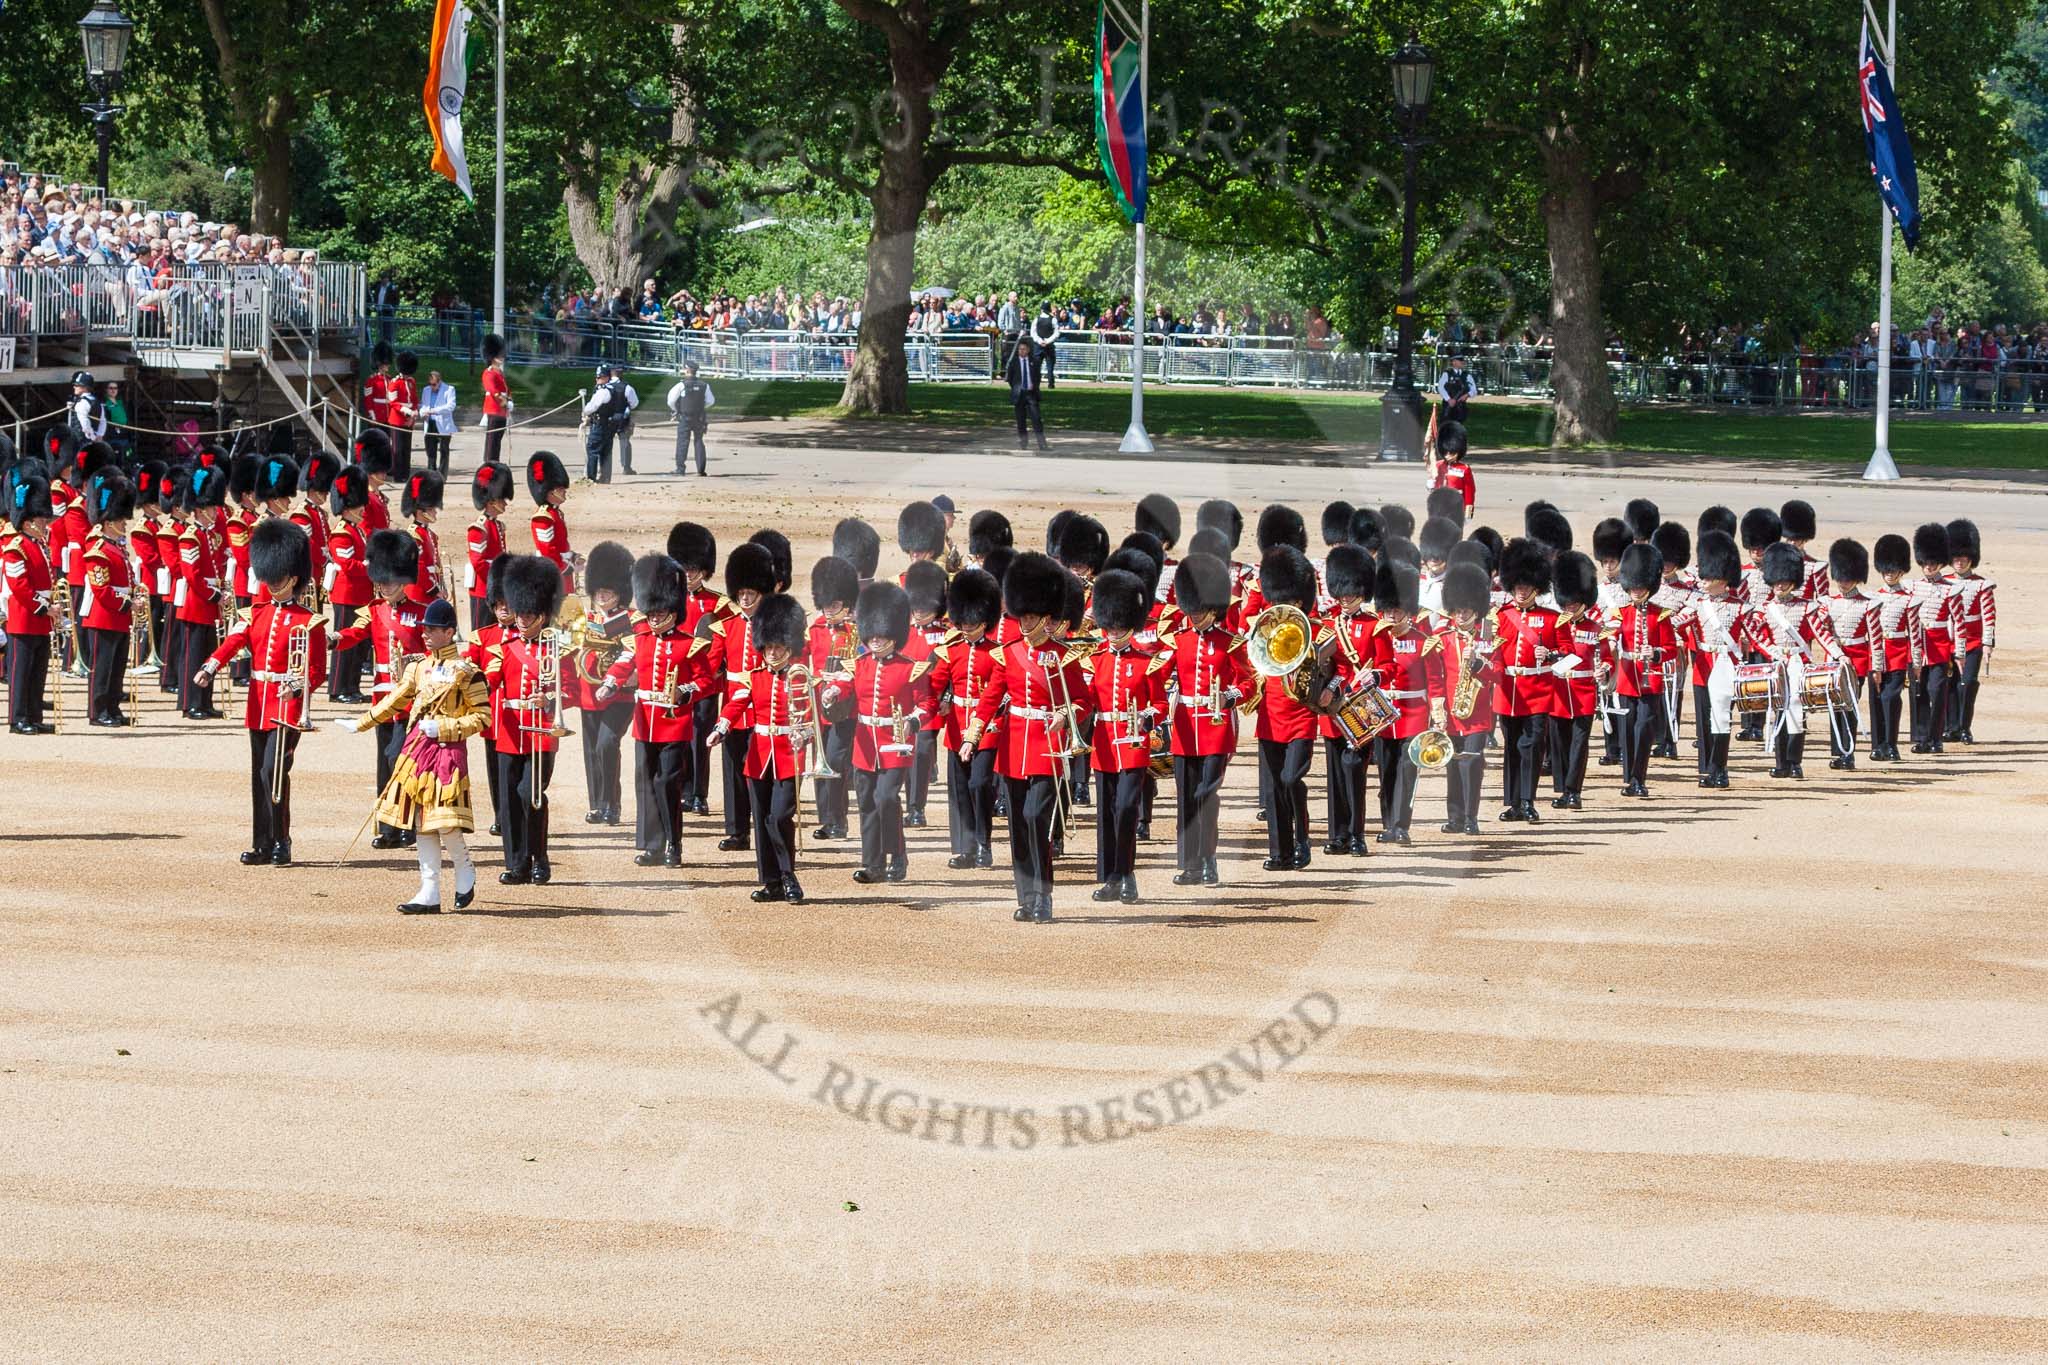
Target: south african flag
[[1120, 106]]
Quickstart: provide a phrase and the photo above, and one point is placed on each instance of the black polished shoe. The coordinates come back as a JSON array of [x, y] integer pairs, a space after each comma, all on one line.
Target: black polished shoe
[[1400, 836], [984, 856], [792, 891], [898, 871], [207, 713], [512, 877], [1919, 748], [1186, 877], [1260, 815], [281, 853], [825, 832], [732, 843], [763, 895], [1278, 864], [352, 699], [409, 838], [1841, 765], [1574, 802], [1560, 803], [1780, 771], [542, 874], [1041, 913], [384, 840], [1529, 812], [1336, 848], [1966, 737], [672, 856], [960, 862], [1023, 913], [107, 722], [1935, 748], [1300, 857], [1127, 890], [1512, 813], [1144, 833], [1451, 827], [1059, 848], [1706, 781], [1108, 891], [1797, 774], [595, 817], [1471, 826], [647, 858], [495, 831], [256, 857], [1209, 878], [22, 727], [1607, 762], [1359, 848], [913, 819], [418, 908], [868, 876], [1720, 780]]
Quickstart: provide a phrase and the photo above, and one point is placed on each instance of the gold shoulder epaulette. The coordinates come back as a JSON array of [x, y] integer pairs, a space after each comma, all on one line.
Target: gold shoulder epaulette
[[920, 668], [1434, 642], [1159, 661], [697, 646]]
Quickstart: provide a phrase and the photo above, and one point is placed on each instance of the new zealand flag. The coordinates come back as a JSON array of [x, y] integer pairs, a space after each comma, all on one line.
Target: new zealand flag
[[1884, 134]]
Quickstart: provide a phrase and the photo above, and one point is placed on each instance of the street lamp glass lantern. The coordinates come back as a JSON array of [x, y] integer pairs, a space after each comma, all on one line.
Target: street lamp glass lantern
[[1414, 70], [106, 32]]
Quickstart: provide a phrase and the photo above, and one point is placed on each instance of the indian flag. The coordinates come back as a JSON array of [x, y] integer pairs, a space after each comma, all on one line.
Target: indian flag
[[447, 82]]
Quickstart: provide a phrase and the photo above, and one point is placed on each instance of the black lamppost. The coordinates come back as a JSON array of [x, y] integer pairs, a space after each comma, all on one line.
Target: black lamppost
[[1401, 408], [106, 32]]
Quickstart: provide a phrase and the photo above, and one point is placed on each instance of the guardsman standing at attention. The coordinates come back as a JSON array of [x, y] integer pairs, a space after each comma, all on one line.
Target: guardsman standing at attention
[[107, 614], [749, 577], [419, 501], [607, 716], [373, 453], [202, 586], [548, 484], [696, 550], [1978, 607], [1643, 641], [31, 613], [1714, 629], [523, 738], [760, 716], [1453, 470], [891, 696], [974, 602], [925, 582], [348, 580], [665, 670], [1575, 586], [282, 638], [1348, 577], [1286, 728], [1525, 694], [1792, 632], [490, 489], [1403, 654], [1466, 655], [1939, 609], [829, 653], [1205, 665], [392, 630], [1128, 700], [1859, 630], [1899, 633]]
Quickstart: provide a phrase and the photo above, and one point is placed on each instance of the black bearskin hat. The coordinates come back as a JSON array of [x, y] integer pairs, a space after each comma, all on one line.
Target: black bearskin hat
[[1797, 521], [1674, 543], [882, 612], [28, 497], [1134, 561], [1963, 541], [317, 479], [1280, 524], [422, 491], [1761, 527], [693, 547], [1397, 520], [1055, 528], [1447, 503], [1210, 541], [242, 472], [408, 363], [1035, 586], [1574, 580], [280, 551], [1717, 558], [1848, 561], [974, 598], [1451, 439], [749, 566], [1549, 526], [1337, 522], [1640, 516], [609, 565], [1716, 518], [205, 486], [349, 489], [491, 483], [493, 346], [373, 450], [1286, 576], [921, 529], [81, 462], [1401, 550], [1474, 552], [113, 499], [1083, 544], [1348, 572], [1642, 567], [1891, 554], [1221, 514], [658, 586], [1610, 538], [833, 582], [1159, 515], [1201, 583], [494, 581], [1496, 548], [1074, 603], [926, 584], [1930, 544], [997, 562], [380, 354], [1782, 563], [1367, 529], [1146, 544], [150, 476], [987, 530], [1467, 587], [544, 474], [394, 557], [779, 620], [1396, 587], [533, 586], [1439, 534], [779, 554], [1122, 602], [1525, 564], [277, 479], [859, 544]]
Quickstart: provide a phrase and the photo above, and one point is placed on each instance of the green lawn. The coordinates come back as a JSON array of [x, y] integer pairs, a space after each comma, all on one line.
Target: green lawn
[[1349, 419]]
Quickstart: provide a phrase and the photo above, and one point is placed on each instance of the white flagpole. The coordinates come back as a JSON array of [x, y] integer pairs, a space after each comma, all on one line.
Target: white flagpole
[[1136, 441], [1881, 468], [498, 225]]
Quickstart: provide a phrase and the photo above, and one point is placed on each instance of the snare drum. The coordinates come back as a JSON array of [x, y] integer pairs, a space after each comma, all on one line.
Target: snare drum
[[1754, 686], [1820, 688]]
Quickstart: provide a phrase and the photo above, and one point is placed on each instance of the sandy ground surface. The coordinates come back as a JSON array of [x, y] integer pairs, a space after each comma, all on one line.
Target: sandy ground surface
[[1757, 1073]]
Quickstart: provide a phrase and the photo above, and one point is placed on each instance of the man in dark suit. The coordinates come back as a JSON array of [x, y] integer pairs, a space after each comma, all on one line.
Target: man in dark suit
[[1023, 378]]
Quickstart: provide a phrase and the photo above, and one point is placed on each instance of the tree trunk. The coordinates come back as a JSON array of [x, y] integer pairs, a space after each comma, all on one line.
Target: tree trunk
[[1584, 402], [878, 380], [629, 239], [270, 204]]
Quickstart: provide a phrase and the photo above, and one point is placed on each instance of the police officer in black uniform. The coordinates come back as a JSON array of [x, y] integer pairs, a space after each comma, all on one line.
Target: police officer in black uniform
[[608, 409], [690, 400], [1454, 386]]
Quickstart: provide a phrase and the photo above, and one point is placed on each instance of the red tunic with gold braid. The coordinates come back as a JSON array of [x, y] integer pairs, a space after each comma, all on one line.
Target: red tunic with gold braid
[[268, 638]]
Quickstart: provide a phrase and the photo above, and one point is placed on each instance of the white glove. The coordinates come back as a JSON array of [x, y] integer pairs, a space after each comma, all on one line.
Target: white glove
[[431, 728]]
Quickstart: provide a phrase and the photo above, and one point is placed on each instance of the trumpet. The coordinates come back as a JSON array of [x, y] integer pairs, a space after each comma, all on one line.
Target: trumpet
[[899, 730]]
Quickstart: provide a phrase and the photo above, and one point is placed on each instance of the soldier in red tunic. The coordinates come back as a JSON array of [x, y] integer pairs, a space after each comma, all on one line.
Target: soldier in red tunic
[[142, 541], [1977, 618], [401, 411], [372, 454], [1714, 630], [419, 501], [282, 637], [1575, 586], [1286, 728], [169, 526], [696, 550], [1800, 525], [391, 629], [892, 696], [1855, 620], [239, 520], [1525, 692], [202, 586], [548, 485], [1348, 578], [608, 588], [665, 670], [477, 651], [1452, 469], [770, 722], [1899, 624], [1939, 607], [749, 577], [84, 463], [1402, 650], [31, 611], [829, 649], [490, 489], [1467, 651], [1128, 701], [1205, 663], [347, 582], [106, 615], [1791, 632], [1759, 529], [377, 388], [1642, 643], [526, 716], [1046, 695], [925, 581], [965, 662]]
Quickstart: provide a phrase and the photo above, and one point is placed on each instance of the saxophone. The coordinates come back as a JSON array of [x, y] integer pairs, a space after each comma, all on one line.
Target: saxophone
[[1465, 688]]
